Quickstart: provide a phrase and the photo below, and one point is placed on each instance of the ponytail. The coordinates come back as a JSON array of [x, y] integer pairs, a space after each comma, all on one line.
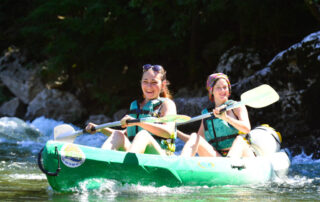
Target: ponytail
[[165, 92]]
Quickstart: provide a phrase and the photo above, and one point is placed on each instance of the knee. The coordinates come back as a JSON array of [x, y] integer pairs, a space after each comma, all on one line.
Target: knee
[[194, 136], [240, 140], [117, 134], [143, 134]]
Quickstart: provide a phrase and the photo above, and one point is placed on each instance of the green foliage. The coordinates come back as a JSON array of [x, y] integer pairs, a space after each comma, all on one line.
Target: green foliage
[[98, 47], [11, 11]]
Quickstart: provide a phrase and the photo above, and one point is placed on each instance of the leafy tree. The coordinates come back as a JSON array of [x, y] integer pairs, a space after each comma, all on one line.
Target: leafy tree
[[96, 48]]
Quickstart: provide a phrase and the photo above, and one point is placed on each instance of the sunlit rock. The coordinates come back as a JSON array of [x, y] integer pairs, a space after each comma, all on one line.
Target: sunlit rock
[[120, 114], [191, 106], [55, 104], [98, 119], [238, 63], [13, 107], [23, 82]]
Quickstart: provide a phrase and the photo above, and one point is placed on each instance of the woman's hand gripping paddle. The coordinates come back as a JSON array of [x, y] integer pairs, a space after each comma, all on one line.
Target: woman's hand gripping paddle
[[66, 133], [258, 97]]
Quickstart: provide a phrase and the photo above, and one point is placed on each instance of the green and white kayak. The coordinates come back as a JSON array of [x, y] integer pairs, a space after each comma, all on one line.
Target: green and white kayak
[[67, 165]]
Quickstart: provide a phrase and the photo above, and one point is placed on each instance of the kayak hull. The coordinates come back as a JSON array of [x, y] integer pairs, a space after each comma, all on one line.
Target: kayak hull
[[74, 164]]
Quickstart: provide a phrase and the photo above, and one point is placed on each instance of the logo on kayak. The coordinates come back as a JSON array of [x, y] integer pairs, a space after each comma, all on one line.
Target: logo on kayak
[[205, 164], [72, 156]]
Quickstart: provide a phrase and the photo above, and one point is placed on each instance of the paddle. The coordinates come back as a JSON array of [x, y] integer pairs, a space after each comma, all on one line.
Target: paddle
[[66, 133], [258, 97]]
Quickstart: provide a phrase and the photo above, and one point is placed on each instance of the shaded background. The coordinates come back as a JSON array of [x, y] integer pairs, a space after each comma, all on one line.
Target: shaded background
[[93, 47]]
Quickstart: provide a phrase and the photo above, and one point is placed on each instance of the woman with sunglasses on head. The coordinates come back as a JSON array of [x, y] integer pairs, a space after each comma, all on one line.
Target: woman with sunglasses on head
[[146, 137], [219, 135]]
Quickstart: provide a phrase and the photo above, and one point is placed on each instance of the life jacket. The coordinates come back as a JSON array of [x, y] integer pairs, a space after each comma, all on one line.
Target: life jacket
[[150, 109], [219, 133]]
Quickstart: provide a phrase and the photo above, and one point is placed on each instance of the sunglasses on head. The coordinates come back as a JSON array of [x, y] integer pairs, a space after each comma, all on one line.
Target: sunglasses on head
[[156, 68]]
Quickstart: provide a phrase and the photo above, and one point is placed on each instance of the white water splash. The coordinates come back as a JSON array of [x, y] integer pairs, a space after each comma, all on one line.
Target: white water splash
[[27, 176], [304, 159], [45, 126], [111, 189], [12, 128]]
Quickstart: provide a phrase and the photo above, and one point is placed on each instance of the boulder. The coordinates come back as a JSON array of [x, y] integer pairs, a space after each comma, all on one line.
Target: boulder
[[13, 107], [191, 106], [119, 114], [239, 63], [23, 82], [55, 104], [98, 119]]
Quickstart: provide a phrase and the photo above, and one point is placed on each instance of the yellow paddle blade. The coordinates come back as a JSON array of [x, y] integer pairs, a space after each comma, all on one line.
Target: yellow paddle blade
[[174, 118], [260, 96]]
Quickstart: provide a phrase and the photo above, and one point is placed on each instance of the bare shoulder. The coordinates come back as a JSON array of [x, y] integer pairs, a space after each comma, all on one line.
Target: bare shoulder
[[240, 110], [169, 102], [169, 107]]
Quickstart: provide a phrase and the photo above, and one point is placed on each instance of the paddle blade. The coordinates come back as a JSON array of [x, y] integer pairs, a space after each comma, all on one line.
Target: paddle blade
[[64, 133], [260, 96], [174, 118]]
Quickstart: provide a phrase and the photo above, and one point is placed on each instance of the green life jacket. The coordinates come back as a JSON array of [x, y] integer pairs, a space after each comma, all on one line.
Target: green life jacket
[[219, 133], [150, 109]]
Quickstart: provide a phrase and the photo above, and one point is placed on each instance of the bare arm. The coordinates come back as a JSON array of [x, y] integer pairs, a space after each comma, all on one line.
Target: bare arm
[[242, 123], [201, 130], [106, 131], [185, 137]]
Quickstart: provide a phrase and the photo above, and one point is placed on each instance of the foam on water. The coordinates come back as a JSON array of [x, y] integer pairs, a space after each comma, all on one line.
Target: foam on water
[[27, 176], [45, 126], [304, 159], [111, 190]]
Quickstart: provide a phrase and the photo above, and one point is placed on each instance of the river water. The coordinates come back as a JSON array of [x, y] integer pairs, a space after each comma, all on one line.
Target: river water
[[21, 179]]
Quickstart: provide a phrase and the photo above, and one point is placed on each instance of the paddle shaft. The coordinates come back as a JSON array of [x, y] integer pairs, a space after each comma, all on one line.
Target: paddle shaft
[[105, 125], [197, 118], [114, 124], [179, 118], [168, 118]]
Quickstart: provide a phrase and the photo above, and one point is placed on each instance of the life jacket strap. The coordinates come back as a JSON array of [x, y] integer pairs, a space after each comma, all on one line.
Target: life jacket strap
[[205, 122], [155, 137], [136, 111], [220, 139]]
